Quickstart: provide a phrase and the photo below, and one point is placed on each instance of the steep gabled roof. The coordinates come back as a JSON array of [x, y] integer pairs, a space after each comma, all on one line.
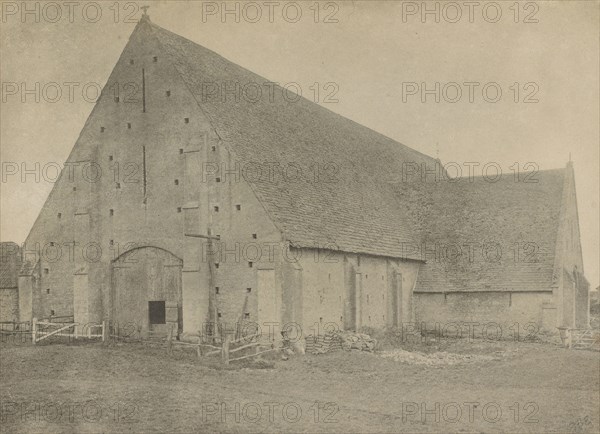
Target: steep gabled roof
[[10, 263], [362, 206], [351, 207], [506, 232]]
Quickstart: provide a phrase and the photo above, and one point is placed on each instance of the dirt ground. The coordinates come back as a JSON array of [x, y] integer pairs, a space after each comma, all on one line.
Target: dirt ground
[[134, 387]]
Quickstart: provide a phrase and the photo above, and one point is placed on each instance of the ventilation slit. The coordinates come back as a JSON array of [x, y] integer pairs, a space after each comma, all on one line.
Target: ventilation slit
[[143, 91]]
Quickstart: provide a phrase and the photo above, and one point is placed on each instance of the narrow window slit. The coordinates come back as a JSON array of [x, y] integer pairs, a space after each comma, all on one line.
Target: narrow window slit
[[143, 91]]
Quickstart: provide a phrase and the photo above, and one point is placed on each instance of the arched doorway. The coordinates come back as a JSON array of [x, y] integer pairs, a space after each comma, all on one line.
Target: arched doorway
[[146, 291]]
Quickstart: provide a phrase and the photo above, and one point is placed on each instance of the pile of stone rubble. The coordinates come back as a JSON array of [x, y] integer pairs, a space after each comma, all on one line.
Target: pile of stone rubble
[[339, 340]]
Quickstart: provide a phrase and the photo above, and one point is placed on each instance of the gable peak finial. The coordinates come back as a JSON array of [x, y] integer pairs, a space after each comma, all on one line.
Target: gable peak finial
[[145, 11]]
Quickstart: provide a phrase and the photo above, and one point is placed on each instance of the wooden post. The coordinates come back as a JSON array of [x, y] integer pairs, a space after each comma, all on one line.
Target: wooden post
[[225, 351], [170, 340], [33, 330], [570, 338], [103, 331]]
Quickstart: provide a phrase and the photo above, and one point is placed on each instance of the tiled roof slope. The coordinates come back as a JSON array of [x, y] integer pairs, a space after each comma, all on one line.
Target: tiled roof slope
[[355, 210], [10, 263], [487, 215]]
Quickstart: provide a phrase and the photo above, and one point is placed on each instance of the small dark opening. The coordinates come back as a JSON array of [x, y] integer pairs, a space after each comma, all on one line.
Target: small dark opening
[[46, 271], [214, 148], [111, 212], [180, 150], [168, 93], [101, 129], [248, 289], [59, 215], [48, 291], [219, 314], [178, 209], [155, 59], [216, 209], [247, 315], [186, 120], [250, 264], [110, 158], [218, 179], [254, 236], [216, 289], [216, 265], [51, 312], [238, 207], [74, 188], [112, 242], [131, 61], [177, 182], [156, 312], [128, 125], [118, 185]]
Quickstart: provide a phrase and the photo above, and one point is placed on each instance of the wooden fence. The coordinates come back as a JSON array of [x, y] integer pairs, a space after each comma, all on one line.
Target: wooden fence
[[580, 339], [41, 330], [225, 349]]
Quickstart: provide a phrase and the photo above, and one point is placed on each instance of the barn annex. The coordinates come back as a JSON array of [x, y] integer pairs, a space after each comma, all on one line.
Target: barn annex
[[198, 191]]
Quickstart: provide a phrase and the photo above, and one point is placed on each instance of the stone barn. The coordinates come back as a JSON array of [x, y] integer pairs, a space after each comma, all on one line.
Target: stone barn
[[10, 264], [200, 192]]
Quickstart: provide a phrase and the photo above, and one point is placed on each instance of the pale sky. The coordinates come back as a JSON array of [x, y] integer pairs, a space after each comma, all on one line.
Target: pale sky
[[369, 53]]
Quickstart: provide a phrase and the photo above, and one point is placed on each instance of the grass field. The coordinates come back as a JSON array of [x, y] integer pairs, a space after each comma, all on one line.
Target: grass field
[[133, 387]]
